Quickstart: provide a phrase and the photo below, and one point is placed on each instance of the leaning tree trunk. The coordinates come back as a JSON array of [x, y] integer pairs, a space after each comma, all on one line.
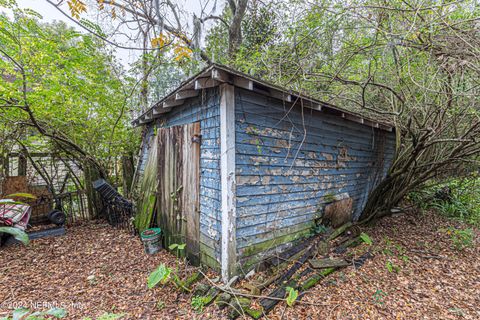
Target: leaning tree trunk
[[384, 197], [128, 171], [94, 201]]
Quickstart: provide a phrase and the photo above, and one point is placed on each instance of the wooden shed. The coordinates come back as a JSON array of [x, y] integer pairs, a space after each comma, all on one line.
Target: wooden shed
[[240, 169]]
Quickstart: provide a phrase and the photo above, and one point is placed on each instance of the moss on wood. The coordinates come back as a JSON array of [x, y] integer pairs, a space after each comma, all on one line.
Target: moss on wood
[[148, 189], [186, 285], [256, 253], [313, 280], [207, 257], [238, 305], [210, 296], [223, 300]]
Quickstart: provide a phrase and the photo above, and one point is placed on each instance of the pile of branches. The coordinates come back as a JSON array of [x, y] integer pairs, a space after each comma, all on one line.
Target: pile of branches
[[293, 273]]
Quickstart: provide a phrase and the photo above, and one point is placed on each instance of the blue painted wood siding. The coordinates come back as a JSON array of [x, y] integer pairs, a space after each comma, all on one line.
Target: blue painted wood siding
[[286, 163], [204, 108]]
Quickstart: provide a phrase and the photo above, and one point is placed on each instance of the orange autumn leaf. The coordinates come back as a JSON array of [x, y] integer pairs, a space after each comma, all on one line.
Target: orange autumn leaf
[[76, 7], [182, 52], [159, 41]]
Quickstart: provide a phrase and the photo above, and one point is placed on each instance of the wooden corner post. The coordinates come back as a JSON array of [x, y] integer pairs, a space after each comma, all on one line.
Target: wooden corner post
[[228, 185]]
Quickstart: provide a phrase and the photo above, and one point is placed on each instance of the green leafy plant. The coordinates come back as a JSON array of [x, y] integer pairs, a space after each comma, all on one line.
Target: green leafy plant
[[160, 305], [21, 195], [65, 89], [366, 238], [391, 267], [461, 238], [177, 246], [379, 296], [319, 229], [457, 198], [198, 303], [111, 316], [163, 273], [159, 275], [292, 296]]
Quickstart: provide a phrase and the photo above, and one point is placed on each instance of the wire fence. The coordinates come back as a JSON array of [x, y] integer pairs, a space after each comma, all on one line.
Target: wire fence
[[73, 204]]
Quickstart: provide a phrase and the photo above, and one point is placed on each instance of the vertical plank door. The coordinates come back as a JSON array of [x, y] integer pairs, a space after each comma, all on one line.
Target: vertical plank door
[[178, 202]]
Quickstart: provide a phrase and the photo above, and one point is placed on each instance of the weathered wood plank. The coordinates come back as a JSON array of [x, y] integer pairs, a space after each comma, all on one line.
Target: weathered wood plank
[[181, 95], [272, 105], [204, 83], [284, 174], [191, 190], [204, 109], [227, 162], [243, 83], [328, 263], [271, 129]]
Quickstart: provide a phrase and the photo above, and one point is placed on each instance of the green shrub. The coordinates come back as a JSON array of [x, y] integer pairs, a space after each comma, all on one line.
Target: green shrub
[[463, 201], [461, 238]]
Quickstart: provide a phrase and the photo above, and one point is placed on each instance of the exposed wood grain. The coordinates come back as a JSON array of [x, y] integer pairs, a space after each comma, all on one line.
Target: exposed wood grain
[[289, 163], [228, 184], [179, 187], [328, 263], [191, 190]]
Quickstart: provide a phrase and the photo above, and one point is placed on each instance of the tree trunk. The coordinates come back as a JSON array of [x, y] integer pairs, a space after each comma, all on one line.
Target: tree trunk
[[235, 29], [22, 164], [128, 170], [93, 198], [3, 168], [144, 81]]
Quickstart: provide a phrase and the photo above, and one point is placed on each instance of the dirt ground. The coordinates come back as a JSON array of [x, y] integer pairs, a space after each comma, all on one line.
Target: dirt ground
[[416, 273]]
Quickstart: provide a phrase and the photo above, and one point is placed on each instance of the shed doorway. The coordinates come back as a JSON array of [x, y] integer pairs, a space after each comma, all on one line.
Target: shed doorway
[[178, 198]]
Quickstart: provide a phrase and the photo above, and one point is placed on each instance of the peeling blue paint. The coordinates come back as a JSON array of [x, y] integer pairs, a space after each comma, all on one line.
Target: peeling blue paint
[[205, 109], [286, 163]]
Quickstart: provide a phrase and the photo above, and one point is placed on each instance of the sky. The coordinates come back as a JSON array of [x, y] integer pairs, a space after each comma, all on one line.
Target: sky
[[124, 56]]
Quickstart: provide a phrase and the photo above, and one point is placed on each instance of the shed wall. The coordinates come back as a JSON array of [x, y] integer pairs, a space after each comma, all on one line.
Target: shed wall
[[288, 162], [204, 108]]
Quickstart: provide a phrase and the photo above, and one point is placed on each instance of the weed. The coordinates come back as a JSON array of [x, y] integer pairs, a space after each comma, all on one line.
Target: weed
[[391, 267], [394, 249], [111, 316], [163, 273], [379, 296], [366, 238], [319, 229], [292, 296], [457, 311], [388, 252], [457, 198], [461, 238], [198, 303], [160, 305], [159, 275]]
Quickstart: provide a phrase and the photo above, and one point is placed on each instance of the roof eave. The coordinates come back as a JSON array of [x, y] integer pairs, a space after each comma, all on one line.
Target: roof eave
[[215, 74]]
